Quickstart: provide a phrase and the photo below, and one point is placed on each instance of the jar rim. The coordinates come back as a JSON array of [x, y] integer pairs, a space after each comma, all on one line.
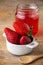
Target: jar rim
[[27, 6]]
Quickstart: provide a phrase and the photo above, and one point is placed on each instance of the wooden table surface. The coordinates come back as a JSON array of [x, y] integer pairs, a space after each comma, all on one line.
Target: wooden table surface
[[7, 16]]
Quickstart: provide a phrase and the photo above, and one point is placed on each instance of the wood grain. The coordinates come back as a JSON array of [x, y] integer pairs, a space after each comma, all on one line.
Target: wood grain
[[7, 16]]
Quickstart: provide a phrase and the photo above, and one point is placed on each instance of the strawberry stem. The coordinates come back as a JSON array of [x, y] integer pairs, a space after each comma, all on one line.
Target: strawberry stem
[[30, 33]]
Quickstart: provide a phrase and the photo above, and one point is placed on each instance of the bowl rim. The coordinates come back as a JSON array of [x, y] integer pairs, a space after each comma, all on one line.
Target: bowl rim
[[18, 44]]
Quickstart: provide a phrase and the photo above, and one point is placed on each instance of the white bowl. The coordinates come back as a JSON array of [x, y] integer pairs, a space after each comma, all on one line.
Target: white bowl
[[20, 49]]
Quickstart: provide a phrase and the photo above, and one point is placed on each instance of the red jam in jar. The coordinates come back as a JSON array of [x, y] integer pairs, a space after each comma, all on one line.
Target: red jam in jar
[[28, 13]]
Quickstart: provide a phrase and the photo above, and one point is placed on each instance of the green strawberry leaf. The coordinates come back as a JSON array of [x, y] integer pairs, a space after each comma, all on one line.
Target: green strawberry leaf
[[30, 33]]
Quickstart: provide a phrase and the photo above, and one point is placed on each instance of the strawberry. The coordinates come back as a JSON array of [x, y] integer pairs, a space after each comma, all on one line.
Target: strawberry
[[25, 40], [12, 36], [21, 28]]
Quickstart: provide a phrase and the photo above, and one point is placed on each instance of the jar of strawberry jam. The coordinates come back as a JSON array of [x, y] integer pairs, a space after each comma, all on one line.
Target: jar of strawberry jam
[[28, 13]]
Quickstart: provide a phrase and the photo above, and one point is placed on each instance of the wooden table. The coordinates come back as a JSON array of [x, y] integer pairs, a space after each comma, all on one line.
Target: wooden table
[[7, 14]]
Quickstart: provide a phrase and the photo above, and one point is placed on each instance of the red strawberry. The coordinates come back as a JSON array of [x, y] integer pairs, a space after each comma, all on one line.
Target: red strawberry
[[21, 28], [12, 36], [25, 40]]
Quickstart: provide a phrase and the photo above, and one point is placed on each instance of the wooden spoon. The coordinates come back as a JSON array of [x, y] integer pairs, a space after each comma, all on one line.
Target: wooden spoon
[[29, 59]]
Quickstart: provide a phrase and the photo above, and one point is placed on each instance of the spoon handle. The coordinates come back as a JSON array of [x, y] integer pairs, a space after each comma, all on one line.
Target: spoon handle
[[36, 57], [29, 59]]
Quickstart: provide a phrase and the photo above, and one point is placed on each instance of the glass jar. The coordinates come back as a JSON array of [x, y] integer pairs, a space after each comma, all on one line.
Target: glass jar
[[28, 13]]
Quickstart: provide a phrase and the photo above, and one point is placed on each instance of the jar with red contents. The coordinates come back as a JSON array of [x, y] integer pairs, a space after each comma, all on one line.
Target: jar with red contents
[[28, 13]]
